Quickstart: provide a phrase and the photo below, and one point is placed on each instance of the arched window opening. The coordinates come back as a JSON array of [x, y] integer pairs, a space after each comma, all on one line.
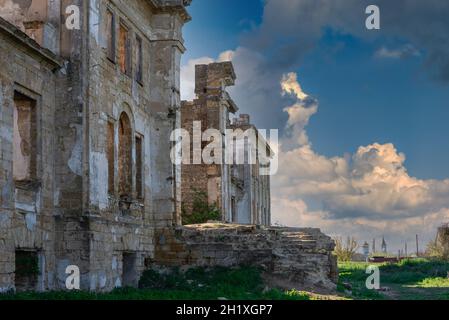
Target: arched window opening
[[125, 156]]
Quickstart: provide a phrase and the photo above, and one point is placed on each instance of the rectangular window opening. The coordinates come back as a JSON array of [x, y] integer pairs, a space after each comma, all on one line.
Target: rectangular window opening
[[129, 275], [110, 34], [124, 50], [139, 62], [25, 138], [26, 270]]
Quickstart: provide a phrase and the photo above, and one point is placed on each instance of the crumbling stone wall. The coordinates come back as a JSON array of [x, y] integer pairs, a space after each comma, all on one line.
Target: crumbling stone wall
[[26, 198], [75, 213], [239, 191], [443, 240], [140, 109], [39, 19], [211, 109], [251, 190], [290, 257]]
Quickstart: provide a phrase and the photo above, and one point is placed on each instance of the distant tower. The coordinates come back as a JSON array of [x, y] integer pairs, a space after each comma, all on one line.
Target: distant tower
[[374, 245], [384, 245], [366, 251]]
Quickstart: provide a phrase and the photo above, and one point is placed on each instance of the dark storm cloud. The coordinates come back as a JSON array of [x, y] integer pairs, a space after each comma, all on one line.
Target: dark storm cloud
[[291, 28]]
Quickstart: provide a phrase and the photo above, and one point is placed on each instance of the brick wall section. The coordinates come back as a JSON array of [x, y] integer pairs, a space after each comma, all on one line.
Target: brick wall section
[[291, 258]]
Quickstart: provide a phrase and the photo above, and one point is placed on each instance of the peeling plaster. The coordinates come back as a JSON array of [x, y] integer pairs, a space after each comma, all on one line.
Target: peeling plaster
[[114, 263], [6, 195], [6, 289], [60, 269], [5, 221], [25, 207], [31, 220], [57, 197], [12, 12], [102, 280], [61, 188], [5, 132], [75, 161], [93, 281], [94, 19], [114, 236], [99, 180]]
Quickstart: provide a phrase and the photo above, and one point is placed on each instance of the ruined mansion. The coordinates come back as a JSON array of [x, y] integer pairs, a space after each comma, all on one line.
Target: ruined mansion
[[86, 119]]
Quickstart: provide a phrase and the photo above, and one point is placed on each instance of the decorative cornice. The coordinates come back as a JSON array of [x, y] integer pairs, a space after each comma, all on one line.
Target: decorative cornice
[[172, 6]]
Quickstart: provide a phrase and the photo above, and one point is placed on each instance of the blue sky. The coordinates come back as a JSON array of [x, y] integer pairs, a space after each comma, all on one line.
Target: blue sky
[[217, 25], [362, 99], [375, 160]]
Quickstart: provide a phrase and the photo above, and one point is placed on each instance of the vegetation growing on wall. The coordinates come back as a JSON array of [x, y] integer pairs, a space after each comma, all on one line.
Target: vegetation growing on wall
[[201, 211]]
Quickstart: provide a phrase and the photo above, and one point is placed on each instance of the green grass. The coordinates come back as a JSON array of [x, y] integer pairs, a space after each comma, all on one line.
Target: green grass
[[433, 283], [410, 279], [198, 284]]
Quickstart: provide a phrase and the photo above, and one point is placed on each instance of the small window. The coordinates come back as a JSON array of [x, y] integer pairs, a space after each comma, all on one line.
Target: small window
[[129, 270], [110, 34], [111, 158], [26, 270], [139, 63], [25, 142], [124, 50], [139, 167]]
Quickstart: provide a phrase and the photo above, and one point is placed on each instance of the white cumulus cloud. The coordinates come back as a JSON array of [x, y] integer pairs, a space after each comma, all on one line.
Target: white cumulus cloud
[[367, 194]]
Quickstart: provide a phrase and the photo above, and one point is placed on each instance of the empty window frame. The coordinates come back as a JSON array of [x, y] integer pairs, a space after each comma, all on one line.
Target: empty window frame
[[25, 138], [125, 158], [110, 34], [27, 270], [139, 62], [124, 49], [129, 270]]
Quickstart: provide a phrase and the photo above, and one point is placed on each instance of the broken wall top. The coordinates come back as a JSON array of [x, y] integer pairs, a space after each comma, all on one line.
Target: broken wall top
[[214, 77]]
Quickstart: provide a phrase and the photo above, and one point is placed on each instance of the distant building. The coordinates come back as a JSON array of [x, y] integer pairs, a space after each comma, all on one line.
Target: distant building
[[384, 245], [366, 251]]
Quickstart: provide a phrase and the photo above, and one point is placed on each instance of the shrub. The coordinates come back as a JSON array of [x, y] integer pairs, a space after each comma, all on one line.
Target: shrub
[[345, 252], [201, 211]]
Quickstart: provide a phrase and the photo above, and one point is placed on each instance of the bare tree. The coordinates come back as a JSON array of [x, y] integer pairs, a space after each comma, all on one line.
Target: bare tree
[[345, 251]]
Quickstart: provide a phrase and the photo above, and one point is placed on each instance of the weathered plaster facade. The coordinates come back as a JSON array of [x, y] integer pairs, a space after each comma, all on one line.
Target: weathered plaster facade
[[85, 176], [238, 189]]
